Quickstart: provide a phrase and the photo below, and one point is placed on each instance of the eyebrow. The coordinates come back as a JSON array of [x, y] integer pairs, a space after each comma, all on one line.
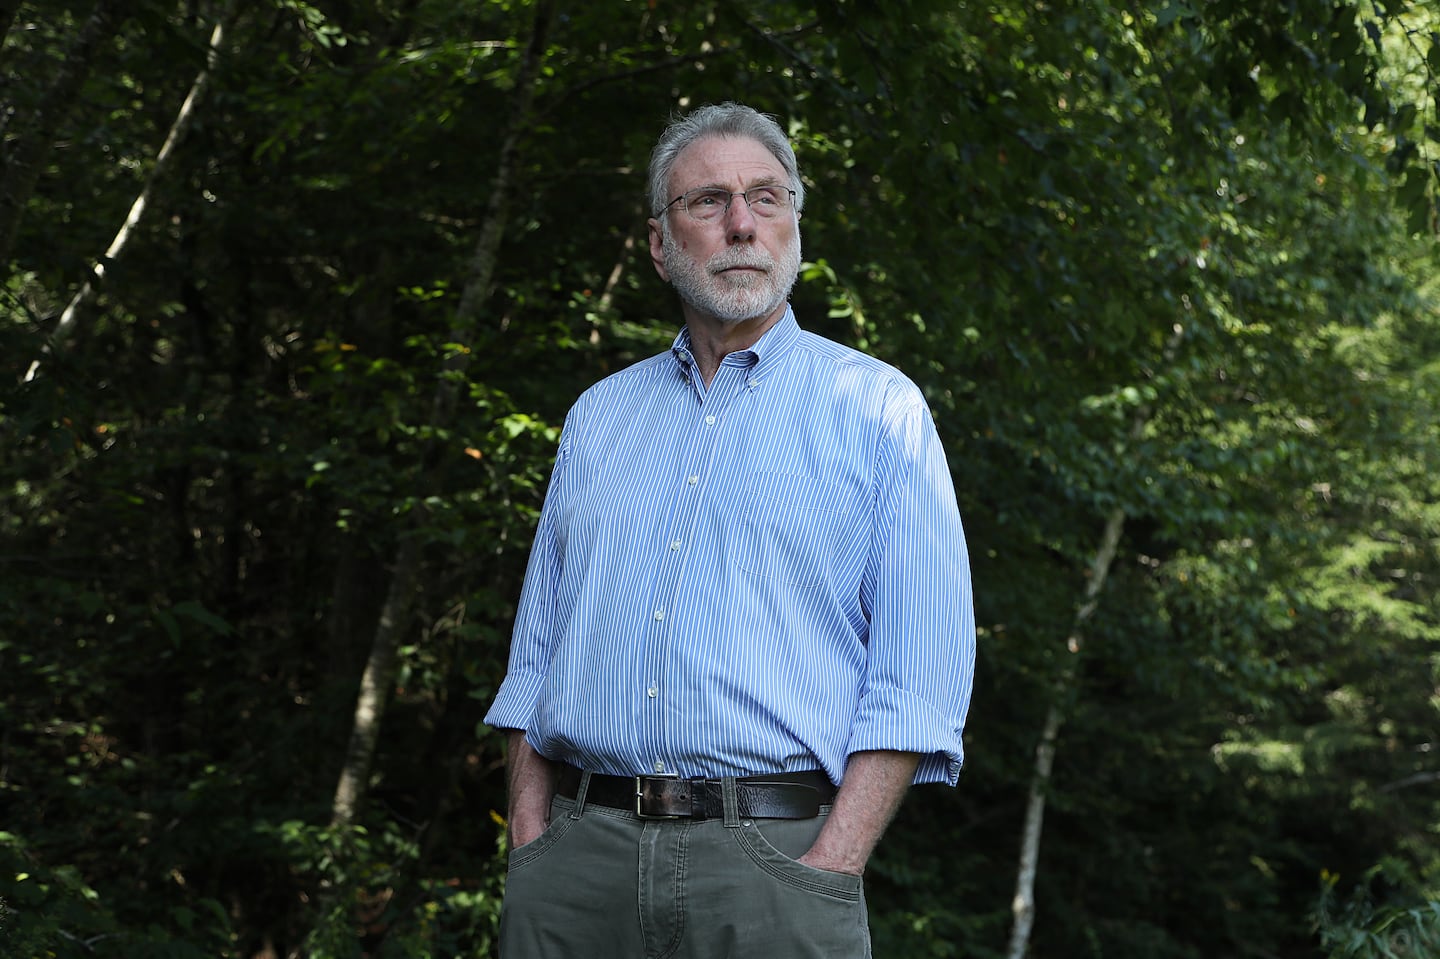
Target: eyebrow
[[722, 188]]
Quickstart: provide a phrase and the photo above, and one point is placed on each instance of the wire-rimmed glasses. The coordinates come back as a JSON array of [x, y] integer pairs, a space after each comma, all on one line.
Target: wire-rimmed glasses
[[710, 203]]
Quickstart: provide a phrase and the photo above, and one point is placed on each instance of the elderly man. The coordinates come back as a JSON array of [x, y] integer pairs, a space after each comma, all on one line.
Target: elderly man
[[746, 625]]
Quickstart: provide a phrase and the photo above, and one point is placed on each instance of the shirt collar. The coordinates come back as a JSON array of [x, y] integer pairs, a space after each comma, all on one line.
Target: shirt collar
[[760, 358]]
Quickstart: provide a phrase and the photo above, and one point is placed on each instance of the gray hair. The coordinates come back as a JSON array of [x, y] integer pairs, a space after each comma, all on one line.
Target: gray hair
[[720, 120]]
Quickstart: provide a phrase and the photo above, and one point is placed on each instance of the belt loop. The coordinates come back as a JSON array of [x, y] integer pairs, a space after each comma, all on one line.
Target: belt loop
[[730, 801], [578, 809]]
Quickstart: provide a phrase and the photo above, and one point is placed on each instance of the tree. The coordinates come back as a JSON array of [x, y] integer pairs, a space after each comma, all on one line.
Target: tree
[[1154, 277]]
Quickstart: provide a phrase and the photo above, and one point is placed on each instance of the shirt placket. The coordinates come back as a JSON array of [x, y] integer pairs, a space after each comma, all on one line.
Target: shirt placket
[[706, 429]]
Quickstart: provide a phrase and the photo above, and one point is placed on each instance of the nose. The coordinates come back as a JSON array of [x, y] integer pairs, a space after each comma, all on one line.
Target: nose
[[740, 220]]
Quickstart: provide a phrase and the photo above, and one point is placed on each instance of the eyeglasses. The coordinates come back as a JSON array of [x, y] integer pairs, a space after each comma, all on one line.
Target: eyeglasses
[[709, 203]]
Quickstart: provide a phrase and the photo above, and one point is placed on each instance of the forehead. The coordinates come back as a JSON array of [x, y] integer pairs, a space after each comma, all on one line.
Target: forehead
[[724, 161]]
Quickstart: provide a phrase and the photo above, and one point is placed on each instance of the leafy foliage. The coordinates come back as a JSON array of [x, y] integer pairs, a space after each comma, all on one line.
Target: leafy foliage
[[1170, 262]]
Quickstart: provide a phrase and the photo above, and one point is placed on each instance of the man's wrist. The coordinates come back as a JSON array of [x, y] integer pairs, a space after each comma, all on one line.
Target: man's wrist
[[834, 861], [531, 787], [525, 826]]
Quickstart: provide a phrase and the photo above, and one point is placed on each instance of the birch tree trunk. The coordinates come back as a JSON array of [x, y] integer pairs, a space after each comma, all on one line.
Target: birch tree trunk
[[178, 127], [378, 678], [20, 166], [1022, 907]]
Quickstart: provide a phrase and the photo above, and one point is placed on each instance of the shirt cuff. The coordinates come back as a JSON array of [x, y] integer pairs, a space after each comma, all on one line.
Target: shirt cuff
[[896, 719], [514, 704]]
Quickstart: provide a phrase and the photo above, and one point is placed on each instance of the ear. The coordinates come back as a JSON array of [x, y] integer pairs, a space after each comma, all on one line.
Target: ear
[[657, 247]]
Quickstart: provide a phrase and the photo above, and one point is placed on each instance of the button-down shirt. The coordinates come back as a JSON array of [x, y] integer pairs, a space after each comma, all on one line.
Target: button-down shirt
[[761, 576]]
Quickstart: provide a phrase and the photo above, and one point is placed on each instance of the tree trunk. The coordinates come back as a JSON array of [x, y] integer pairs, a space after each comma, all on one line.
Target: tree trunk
[[1022, 907], [375, 684], [378, 678], [22, 165], [183, 119]]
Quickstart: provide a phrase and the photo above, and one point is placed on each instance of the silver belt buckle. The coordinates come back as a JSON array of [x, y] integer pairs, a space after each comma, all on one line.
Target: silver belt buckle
[[640, 796]]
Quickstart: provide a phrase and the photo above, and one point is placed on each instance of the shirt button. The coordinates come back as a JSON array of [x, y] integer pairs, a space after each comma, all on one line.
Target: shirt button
[[675, 545], [693, 480], [652, 692], [659, 765], [659, 614], [709, 421]]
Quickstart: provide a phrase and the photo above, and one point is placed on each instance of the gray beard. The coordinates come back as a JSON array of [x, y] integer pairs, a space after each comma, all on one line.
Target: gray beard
[[732, 298]]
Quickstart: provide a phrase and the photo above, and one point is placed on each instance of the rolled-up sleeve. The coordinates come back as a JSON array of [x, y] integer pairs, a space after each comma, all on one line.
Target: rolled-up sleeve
[[916, 591], [532, 643]]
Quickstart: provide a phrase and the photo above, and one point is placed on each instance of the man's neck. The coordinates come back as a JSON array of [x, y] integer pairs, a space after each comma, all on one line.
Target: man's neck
[[712, 340]]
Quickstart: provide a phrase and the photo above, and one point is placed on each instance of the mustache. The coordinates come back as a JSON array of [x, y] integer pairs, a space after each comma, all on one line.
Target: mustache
[[735, 257]]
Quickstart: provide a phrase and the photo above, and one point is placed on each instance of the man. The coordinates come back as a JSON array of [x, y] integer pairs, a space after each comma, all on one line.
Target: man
[[749, 586]]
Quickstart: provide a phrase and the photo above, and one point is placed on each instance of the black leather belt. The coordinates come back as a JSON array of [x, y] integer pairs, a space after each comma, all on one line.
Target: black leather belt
[[777, 796]]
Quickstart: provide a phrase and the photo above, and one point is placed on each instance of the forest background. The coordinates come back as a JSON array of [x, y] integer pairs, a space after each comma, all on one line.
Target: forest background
[[294, 297]]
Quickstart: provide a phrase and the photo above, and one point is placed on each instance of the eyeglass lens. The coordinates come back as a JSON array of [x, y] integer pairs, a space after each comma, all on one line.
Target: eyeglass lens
[[765, 201]]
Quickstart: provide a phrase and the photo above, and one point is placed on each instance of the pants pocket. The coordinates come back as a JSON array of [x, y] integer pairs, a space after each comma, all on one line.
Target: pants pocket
[[560, 823], [776, 858]]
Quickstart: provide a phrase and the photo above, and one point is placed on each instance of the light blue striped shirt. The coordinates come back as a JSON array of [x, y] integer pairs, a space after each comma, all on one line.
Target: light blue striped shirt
[[763, 576]]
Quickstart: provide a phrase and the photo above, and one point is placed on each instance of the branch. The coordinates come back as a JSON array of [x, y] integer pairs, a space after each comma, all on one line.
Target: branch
[[83, 297], [1419, 779], [622, 75], [772, 38], [718, 50]]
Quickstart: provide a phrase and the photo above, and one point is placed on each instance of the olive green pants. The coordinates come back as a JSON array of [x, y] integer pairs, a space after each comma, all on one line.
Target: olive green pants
[[601, 883]]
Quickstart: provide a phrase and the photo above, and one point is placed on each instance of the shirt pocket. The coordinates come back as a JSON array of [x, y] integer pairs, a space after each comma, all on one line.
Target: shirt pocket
[[788, 528]]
